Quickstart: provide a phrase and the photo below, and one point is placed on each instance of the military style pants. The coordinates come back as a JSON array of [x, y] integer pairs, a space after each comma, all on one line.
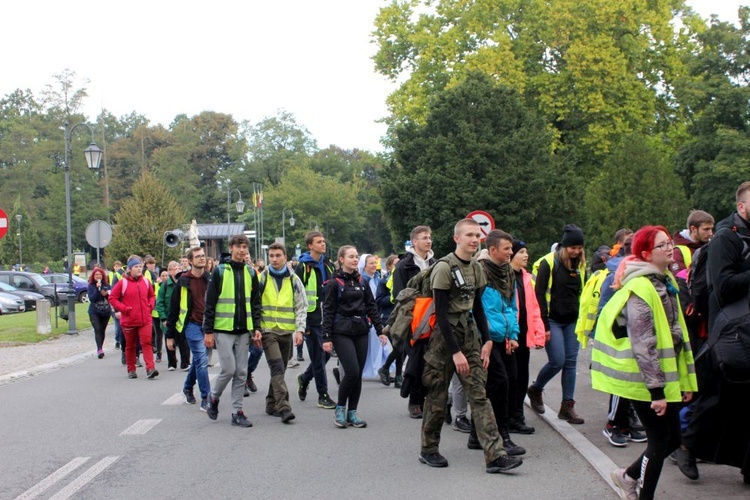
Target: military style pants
[[277, 344], [438, 370]]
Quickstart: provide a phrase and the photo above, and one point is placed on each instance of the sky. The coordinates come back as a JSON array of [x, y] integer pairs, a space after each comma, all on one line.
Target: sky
[[247, 58]]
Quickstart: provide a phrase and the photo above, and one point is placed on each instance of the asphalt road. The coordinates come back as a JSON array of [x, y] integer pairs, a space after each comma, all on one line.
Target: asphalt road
[[86, 431]]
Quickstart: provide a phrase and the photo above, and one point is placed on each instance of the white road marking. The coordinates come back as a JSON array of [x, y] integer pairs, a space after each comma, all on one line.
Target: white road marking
[[141, 427], [45, 483], [175, 399], [84, 479]]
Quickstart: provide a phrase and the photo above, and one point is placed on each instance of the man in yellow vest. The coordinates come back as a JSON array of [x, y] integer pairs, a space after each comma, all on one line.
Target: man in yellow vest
[[233, 310], [700, 228], [283, 321]]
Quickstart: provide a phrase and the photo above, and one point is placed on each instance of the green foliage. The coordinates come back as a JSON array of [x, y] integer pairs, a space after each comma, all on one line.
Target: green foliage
[[21, 328]]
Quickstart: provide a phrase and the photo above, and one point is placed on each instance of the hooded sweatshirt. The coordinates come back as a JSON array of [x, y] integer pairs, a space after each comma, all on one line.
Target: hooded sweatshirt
[[683, 238]]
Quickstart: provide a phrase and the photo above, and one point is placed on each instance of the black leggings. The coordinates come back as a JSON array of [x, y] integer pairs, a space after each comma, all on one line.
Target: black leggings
[[397, 356], [100, 326], [352, 353], [664, 437], [517, 388], [498, 381]]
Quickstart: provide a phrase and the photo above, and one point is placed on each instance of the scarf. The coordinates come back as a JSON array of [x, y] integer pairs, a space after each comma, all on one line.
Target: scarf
[[500, 277]]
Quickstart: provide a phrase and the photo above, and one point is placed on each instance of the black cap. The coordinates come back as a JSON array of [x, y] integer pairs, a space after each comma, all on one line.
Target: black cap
[[572, 236]]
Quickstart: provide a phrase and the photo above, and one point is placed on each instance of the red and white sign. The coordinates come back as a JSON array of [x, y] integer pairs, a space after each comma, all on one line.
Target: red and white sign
[[3, 223], [485, 221]]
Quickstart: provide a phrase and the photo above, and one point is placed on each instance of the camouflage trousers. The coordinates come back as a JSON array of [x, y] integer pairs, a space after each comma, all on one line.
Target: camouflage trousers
[[438, 371], [277, 345]]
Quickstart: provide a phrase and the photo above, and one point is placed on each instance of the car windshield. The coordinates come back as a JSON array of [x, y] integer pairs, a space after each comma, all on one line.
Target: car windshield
[[37, 278], [7, 288]]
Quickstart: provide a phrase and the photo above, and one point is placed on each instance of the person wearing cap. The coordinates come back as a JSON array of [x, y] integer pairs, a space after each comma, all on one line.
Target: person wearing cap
[[560, 278], [133, 297]]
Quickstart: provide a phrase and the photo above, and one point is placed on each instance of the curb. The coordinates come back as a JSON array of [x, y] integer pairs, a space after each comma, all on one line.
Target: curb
[[45, 368]]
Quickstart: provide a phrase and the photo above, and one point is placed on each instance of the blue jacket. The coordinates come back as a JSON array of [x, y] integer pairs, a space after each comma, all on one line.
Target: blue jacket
[[502, 315]]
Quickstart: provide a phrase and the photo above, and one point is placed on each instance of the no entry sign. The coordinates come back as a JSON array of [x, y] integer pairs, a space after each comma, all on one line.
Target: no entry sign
[[3, 223]]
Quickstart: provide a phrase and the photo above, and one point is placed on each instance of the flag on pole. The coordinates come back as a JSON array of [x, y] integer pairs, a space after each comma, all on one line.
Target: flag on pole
[[260, 195], [255, 200]]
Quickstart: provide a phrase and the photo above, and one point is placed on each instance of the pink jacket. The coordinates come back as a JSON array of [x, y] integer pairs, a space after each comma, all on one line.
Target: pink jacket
[[136, 304], [535, 332]]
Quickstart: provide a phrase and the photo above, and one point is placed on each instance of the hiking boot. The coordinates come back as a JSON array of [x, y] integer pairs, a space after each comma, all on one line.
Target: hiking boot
[[433, 459], [337, 375], [415, 411], [634, 422], [251, 384], [473, 442], [635, 436], [204, 404], [614, 436], [213, 408], [518, 426], [462, 424], [132, 375], [326, 402], [239, 419], [301, 387], [448, 418], [272, 411], [339, 417], [686, 463], [568, 413], [503, 463], [189, 398], [535, 399], [511, 448], [152, 374], [626, 484], [398, 382], [287, 416], [385, 376], [353, 419]]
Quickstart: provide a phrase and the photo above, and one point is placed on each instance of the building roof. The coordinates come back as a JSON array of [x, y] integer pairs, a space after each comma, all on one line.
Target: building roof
[[220, 231]]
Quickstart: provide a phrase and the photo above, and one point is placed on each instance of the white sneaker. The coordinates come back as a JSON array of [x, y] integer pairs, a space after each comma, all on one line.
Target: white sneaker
[[626, 484], [293, 363]]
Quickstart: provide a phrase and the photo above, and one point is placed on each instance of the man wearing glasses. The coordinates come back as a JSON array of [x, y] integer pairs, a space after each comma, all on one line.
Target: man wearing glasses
[[186, 310]]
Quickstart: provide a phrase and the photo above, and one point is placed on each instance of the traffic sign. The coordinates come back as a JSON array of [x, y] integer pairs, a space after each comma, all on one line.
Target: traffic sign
[[98, 234], [3, 223], [485, 221]]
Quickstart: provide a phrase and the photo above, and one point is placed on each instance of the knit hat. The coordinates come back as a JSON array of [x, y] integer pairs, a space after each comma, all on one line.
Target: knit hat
[[134, 262], [518, 245], [572, 236]]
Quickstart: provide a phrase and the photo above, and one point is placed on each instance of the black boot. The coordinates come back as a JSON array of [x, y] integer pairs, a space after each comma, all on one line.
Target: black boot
[[518, 425], [510, 447], [473, 443]]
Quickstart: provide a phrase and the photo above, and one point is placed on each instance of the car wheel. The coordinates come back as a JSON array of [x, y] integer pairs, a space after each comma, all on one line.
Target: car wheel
[[83, 297]]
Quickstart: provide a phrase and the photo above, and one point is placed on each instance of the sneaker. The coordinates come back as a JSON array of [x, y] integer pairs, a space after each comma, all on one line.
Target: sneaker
[[503, 463], [122, 358], [158, 358], [293, 363], [117, 346], [339, 417], [635, 436], [673, 457], [615, 437], [433, 459], [185, 368], [239, 419], [398, 381], [171, 369], [251, 384], [301, 387], [462, 424], [626, 484], [473, 442], [287, 416], [633, 421], [132, 375], [535, 399], [518, 426], [448, 418], [152, 374], [213, 408], [385, 377], [246, 393], [686, 463], [204, 404], [138, 363], [326, 402], [300, 358], [99, 353], [189, 398], [415, 411], [337, 375], [512, 449], [353, 419]]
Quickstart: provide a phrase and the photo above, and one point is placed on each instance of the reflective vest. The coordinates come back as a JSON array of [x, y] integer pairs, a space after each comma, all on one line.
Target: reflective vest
[[311, 285], [155, 313], [588, 307], [225, 305], [550, 258], [614, 369], [687, 255], [180, 325], [278, 305]]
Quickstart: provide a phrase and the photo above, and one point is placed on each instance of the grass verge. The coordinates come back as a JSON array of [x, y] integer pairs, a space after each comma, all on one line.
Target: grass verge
[[21, 328]]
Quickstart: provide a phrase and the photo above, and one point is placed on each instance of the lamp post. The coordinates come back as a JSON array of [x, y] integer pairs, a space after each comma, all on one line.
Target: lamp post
[[93, 155], [240, 205], [20, 247], [283, 223], [316, 225]]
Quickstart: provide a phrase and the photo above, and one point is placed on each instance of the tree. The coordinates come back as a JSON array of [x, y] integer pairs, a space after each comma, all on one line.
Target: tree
[[142, 220]]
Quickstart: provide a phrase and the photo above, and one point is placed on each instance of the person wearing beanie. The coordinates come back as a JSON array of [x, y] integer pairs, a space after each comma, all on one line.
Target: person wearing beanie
[[560, 278]]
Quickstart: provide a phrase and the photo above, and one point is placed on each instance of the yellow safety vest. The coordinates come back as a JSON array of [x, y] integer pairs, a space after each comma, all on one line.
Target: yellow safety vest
[[614, 369], [588, 306], [311, 288], [155, 313], [278, 305], [550, 258], [225, 305], [687, 255], [180, 326]]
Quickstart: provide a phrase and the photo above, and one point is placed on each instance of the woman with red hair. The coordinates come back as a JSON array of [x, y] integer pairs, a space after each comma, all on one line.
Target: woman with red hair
[[99, 308], [642, 352]]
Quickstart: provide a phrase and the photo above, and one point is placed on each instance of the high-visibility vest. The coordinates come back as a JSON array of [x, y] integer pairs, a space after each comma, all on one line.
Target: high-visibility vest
[[311, 285], [687, 255], [278, 305], [614, 369], [148, 276], [588, 306], [550, 258], [180, 326], [225, 305]]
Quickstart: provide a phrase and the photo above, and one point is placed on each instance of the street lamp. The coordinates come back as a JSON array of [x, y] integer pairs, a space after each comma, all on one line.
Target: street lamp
[[317, 226], [20, 247], [93, 155], [240, 205], [283, 223]]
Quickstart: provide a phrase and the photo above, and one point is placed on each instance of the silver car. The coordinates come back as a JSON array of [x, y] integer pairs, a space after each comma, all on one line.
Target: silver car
[[10, 304], [29, 298]]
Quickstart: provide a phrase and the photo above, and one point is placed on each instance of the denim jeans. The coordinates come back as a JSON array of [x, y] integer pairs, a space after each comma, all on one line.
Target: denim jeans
[[253, 358], [318, 359], [562, 354], [199, 367]]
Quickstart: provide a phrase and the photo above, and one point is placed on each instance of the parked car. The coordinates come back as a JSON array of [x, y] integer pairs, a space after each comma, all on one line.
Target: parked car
[[80, 285], [9, 303], [34, 282], [29, 298]]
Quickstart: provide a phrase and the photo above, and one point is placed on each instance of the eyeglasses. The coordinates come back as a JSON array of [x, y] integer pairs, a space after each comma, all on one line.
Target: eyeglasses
[[667, 245]]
